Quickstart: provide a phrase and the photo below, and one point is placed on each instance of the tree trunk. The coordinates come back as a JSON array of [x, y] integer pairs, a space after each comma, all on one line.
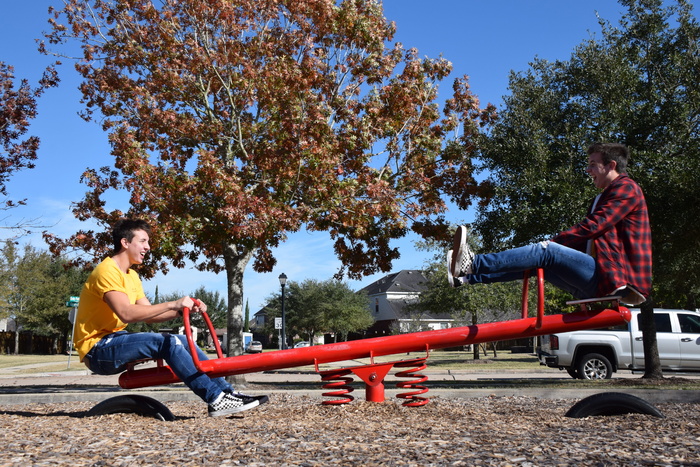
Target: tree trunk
[[236, 259], [652, 365]]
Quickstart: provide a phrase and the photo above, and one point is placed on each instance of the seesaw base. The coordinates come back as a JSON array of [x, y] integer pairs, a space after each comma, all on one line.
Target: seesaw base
[[133, 403]]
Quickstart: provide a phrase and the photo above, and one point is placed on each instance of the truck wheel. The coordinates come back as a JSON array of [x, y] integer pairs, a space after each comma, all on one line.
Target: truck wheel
[[573, 372], [594, 366], [611, 403]]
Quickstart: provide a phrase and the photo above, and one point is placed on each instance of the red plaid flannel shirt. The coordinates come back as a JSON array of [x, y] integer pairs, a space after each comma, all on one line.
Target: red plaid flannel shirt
[[619, 228]]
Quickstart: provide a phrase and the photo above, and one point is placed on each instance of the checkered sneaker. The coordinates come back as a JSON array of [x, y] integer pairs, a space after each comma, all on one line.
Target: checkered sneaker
[[462, 257], [229, 404]]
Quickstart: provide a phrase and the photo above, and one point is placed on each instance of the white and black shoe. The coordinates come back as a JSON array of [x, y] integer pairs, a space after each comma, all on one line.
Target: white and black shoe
[[460, 264], [228, 404], [261, 399], [453, 281]]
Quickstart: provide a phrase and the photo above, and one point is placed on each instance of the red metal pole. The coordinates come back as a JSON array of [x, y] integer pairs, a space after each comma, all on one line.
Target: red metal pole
[[379, 346], [539, 277], [526, 294], [540, 297]]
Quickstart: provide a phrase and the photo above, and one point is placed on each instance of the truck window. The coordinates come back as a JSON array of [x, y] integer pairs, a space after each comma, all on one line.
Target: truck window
[[619, 327], [661, 320], [689, 323]]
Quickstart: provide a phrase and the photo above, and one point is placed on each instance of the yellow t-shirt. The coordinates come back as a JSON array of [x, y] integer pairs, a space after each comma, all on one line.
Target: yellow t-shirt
[[95, 318]]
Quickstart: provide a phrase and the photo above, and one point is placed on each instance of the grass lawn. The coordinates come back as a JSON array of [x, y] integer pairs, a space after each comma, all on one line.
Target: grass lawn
[[7, 361], [438, 359], [462, 360]]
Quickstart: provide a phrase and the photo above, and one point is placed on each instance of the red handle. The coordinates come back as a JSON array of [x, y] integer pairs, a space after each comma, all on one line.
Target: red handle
[[190, 341]]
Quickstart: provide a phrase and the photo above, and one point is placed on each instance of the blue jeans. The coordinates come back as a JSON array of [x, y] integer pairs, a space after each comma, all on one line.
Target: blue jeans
[[564, 267], [113, 352]]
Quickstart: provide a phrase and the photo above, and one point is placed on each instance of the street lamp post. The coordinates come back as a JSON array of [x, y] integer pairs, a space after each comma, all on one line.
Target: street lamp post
[[283, 281]]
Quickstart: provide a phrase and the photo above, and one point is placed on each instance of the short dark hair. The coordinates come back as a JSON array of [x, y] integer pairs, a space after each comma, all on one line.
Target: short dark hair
[[612, 152], [125, 228]]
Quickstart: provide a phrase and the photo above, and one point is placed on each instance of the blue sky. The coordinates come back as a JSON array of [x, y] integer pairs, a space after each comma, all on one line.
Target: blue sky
[[483, 39]]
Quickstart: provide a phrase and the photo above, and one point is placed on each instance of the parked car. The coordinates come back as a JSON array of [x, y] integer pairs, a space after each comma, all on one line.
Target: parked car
[[254, 347], [301, 344], [596, 354]]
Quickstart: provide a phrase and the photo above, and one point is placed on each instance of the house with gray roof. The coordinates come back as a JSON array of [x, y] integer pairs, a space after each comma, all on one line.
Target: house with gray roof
[[389, 297]]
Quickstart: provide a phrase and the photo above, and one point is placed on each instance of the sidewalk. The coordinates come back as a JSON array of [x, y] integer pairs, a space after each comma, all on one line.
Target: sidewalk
[[19, 387]]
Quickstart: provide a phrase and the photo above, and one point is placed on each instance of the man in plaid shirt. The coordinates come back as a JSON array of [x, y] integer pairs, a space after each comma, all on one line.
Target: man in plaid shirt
[[607, 253]]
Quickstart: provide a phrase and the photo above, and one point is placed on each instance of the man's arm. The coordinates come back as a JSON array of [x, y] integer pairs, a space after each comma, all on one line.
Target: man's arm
[[142, 310], [611, 209]]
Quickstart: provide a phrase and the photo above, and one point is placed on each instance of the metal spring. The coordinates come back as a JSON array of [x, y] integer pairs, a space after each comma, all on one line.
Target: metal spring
[[339, 382], [413, 399]]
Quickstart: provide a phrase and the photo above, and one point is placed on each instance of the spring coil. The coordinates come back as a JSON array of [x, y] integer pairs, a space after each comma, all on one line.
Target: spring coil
[[339, 382], [413, 399]]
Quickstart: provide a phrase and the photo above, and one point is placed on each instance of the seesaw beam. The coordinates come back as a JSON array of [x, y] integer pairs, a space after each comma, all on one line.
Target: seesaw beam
[[380, 346]]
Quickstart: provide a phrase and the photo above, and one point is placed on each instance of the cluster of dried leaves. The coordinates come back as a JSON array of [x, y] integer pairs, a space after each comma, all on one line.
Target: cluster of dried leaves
[[294, 430]]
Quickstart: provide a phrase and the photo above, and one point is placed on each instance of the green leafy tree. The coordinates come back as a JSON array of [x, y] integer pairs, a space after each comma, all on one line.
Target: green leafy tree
[[313, 307], [216, 310], [305, 305], [216, 307], [637, 85], [344, 310], [35, 289], [52, 283], [235, 123], [14, 301], [7, 265]]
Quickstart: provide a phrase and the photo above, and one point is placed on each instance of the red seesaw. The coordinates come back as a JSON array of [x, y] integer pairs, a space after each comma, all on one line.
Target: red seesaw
[[373, 374]]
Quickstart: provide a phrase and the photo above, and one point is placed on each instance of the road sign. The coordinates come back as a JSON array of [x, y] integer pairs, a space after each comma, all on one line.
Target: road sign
[[73, 301], [278, 323]]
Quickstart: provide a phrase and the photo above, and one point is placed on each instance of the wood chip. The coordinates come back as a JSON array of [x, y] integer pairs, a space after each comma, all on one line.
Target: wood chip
[[294, 430]]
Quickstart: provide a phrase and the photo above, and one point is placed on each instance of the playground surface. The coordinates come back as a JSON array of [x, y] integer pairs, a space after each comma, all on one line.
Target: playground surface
[[296, 430], [476, 416]]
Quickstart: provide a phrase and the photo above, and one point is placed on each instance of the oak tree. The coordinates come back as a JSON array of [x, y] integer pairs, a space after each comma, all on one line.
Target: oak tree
[[233, 123]]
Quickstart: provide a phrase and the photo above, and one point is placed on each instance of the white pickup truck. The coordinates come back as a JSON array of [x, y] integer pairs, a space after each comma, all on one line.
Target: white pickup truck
[[596, 354]]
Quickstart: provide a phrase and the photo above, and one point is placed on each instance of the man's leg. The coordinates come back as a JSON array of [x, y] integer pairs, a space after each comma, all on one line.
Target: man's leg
[[564, 267], [112, 353], [176, 354]]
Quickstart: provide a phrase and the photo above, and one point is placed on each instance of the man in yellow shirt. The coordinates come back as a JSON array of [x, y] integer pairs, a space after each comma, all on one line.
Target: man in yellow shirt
[[113, 296]]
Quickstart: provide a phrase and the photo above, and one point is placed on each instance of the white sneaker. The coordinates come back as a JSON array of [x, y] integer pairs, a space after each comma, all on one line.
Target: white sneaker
[[461, 263], [453, 281]]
